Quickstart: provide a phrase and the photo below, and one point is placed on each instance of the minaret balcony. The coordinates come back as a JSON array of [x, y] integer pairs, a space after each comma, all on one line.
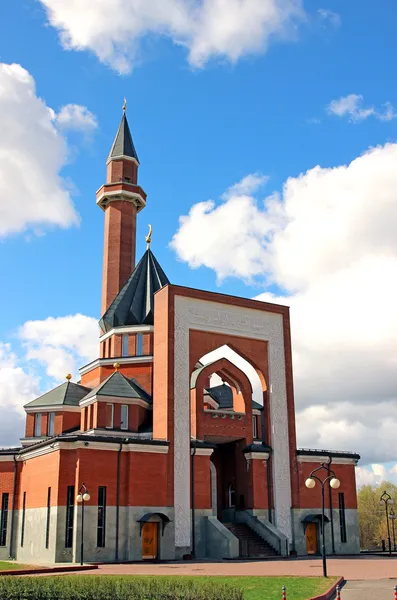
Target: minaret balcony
[[121, 190]]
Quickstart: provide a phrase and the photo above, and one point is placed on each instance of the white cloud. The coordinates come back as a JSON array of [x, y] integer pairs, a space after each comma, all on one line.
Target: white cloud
[[372, 475], [52, 348], [328, 241], [16, 389], [60, 344], [352, 106], [329, 16], [207, 28], [32, 154], [76, 117]]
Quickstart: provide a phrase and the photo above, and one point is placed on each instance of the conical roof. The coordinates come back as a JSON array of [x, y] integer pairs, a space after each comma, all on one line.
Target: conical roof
[[134, 304], [123, 144]]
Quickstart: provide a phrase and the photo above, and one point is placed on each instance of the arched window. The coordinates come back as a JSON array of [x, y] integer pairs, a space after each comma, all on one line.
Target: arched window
[[232, 496]]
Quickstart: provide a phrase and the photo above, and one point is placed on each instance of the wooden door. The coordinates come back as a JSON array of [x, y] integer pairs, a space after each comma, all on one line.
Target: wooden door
[[311, 538], [150, 540]]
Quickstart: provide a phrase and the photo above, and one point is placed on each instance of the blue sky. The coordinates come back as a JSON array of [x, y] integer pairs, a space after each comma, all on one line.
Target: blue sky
[[198, 131]]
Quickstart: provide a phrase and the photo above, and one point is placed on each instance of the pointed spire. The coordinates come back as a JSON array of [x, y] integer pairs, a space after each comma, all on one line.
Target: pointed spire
[[123, 144], [148, 238]]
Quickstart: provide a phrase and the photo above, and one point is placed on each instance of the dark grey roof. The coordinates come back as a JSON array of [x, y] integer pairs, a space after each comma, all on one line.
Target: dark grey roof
[[123, 144], [329, 453], [120, 386], [134, 304], [222, 394], [67, 393]]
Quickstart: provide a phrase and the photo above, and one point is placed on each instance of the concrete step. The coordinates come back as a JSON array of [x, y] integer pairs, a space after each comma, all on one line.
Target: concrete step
[[251, 544]]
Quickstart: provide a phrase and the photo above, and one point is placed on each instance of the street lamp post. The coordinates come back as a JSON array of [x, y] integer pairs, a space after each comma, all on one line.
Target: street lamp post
[[334, 483], [392, 517], [387, 500], [83, 496]]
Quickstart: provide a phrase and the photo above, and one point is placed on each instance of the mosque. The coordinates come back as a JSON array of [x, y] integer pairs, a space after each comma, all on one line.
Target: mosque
[[179, 440]]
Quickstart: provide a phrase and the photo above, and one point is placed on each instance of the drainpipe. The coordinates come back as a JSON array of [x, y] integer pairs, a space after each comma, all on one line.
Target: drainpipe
[[193, 510], [331, 511], [14, 491], [116, 554]]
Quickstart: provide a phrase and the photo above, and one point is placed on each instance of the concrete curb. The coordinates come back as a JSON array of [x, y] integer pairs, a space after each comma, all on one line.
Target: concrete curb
[[329, 593], [44, 570]]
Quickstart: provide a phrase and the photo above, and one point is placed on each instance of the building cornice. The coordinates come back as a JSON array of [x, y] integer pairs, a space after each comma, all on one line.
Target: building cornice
[[104, 362], [321, 458], [48, 408], [87, 443], [122, 157], [115, 400], [126, 329]]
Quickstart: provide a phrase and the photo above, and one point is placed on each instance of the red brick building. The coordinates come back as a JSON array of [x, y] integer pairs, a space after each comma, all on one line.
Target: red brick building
[[182, 430]]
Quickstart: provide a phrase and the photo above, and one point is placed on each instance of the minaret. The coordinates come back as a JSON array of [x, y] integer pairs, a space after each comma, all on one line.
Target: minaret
[[121, 198]]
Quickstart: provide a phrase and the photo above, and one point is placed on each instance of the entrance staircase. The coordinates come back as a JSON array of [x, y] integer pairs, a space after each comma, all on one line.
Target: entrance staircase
[[251, 544]]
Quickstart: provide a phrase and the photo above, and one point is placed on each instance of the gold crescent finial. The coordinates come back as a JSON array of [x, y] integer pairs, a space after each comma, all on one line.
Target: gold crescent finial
[[68, 376], [116, 366], [149, 237], [125, 105]]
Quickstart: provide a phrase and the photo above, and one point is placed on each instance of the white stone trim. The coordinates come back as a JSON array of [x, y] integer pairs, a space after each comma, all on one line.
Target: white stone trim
[[7, 457], [191, 313], [47, 408], [318, 458], [201, 451], [114, 400], [88, 445], [256, 411], [127, 329], [125, 360], [127, 196], [122, 157], [125, 433], [257, 455]]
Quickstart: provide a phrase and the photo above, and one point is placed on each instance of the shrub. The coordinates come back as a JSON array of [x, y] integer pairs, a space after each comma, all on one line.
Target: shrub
[[115, 588]]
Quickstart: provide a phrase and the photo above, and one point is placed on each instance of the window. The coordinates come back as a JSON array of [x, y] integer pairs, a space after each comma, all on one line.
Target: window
[[101, 527], [254, 427], [69, 517], [23, 519], [139, 344], [124, 345], [342, 518], [124, 416], [232, 496], [37, 425], [50, 424], [4, 519], [47, 529], [109, 415]]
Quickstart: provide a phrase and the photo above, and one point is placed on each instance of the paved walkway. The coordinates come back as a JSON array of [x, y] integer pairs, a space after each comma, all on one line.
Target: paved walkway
[[370, 589], [360, 568]]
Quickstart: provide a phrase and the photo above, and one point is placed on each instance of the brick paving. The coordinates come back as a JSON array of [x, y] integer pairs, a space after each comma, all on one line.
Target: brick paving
[[353, 568], [370, 589]]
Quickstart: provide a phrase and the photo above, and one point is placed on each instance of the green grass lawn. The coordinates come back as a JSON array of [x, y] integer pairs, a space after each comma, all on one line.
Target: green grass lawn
[[12, 566], [269, 588]]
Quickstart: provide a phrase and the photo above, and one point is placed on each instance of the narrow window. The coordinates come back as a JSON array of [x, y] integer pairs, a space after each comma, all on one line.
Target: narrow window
[[254, 427], [124, 345], [232, 496], [4, 519], [23, 519], [37, 425], [124, 416], [101, 528], [139, 344], [50, 424], [69, 517], [109, 415], [47, 529], [342, 518]]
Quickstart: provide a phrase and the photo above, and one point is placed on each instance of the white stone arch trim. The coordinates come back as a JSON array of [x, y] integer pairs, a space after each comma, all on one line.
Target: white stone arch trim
[[191, 313], [214, 489]]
